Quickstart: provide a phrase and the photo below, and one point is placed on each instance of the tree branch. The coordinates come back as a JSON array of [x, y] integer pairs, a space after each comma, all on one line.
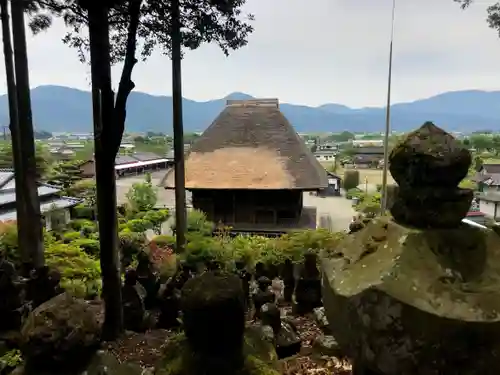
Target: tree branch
[[126, 84]]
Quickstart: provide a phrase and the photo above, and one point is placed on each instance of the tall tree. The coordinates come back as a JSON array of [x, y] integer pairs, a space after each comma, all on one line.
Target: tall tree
[[105, 149], [24, 142], [493, 12], [133, 24]]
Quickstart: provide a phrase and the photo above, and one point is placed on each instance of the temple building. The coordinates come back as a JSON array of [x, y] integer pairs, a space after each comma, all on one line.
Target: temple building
[[249, 170]]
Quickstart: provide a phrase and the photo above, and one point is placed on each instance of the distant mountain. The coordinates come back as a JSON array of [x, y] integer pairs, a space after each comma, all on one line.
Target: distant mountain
[[57, 108]]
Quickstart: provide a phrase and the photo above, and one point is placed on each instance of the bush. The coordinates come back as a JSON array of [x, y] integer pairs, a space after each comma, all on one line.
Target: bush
[[78, 224], [164, 241], [139, 225], [9, 241], [354, 193], [71, 236], [131, 244], [370, 204], [197, 222], [84, 212], [379, 187], [81, 274], [351, 179], [90, 246]]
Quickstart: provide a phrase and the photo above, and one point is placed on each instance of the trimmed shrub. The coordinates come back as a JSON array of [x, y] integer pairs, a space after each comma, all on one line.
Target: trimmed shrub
[[80, 273], [139, 225], [78, 224], [71, 236], [351, 179], [84, 212], [131, 244], [90, 246]]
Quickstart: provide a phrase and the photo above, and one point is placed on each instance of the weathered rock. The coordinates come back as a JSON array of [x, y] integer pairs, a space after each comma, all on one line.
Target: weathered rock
[[321, 319], [286, 337], [61, 334], [263, 294], [327, 345], [428, 166], [308, 288], [429, 157], [101, 363], [417, 302]]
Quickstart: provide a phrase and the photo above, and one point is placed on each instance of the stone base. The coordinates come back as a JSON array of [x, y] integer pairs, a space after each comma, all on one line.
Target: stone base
[[406, 301]]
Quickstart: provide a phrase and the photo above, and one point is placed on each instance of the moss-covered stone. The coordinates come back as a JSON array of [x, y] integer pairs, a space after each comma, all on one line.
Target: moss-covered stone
[[429, 157], [259, 357], [410, 301]]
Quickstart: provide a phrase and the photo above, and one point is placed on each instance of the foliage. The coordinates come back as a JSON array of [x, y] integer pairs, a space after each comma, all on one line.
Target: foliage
[[71, 236], [84, 189], [82, 211], [64, 174], [204, 21], [164, 241], [139, 225], [42, 157], [370, 204], [81, 225], [197, 222], [90, 246], [10, 360], [80, 273], [157, 218], [163, 258], [9, 240], [131, 244], [351, 179], [468, 184], [142, 195], [354, 193]]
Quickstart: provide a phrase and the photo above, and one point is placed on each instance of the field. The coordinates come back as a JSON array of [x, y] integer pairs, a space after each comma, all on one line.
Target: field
[[369, 176]]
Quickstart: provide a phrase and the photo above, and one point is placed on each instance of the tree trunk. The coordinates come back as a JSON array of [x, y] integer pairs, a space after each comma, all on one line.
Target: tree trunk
[[24, 247], [180, 192], [104, 137], [32, 234]]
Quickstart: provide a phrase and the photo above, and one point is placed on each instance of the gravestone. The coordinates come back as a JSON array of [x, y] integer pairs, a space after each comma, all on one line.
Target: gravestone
[[308, 289], [418, 293], [263, 295], [214, 340]]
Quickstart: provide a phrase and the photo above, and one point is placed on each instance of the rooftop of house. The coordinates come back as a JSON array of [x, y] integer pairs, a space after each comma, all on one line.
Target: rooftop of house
[[50, 196], [489, 174], [251, 145], [369, 150]]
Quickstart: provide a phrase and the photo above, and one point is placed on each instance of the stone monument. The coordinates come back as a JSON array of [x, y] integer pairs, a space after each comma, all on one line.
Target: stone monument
[[419, 292]]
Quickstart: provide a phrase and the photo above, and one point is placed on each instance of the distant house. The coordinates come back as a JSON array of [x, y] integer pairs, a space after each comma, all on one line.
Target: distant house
[[489, 204], [127, 147], [488, 177], [368, 143], [325, 155], [133, 164], [367, 157], [55, 209], [62, 153], [334, 185]]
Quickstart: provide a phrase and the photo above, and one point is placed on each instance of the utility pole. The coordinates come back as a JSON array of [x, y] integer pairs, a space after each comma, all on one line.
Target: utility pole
[[180, 182], [388, 117]]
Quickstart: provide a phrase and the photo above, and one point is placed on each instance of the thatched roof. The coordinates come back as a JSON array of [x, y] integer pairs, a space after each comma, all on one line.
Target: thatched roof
[[251, 145]]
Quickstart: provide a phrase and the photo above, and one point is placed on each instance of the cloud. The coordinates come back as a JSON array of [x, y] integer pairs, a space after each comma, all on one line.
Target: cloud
[[315, 52]]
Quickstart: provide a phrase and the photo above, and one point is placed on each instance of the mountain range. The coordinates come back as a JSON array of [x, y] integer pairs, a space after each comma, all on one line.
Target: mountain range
[[65, 109]]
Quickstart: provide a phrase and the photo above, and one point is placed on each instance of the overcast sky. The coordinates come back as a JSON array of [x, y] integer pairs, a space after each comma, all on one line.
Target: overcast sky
[[314, 52]]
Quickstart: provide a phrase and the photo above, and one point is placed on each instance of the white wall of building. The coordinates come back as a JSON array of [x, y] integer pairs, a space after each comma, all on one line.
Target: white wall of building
[[491, 209]]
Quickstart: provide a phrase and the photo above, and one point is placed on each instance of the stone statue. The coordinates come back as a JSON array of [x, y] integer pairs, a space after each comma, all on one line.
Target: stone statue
[[419, 293], [214, 339]]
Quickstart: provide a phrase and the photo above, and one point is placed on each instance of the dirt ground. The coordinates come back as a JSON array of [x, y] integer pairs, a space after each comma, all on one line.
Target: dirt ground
[[146, 349]]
